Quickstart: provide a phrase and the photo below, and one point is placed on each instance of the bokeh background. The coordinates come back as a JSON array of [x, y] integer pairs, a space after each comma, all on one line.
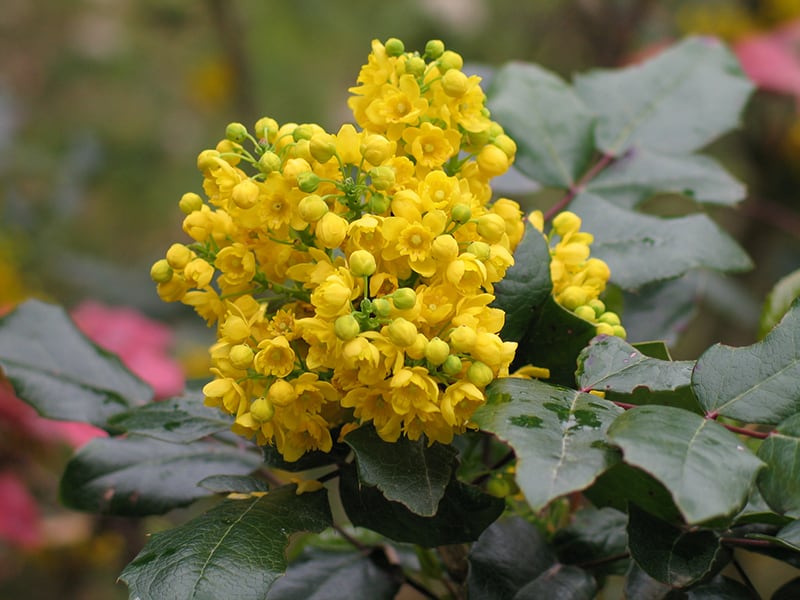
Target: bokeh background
[[104, 105]]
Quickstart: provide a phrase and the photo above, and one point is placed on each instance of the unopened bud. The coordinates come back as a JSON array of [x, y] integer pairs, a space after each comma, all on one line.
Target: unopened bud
[[452, 365], [322, 147], [437, 351], [566, 222], [376, 149], [362, 263], [161, 272], [269, 162], [245, 194], [312, 208], [481, 250], [394, 47], [404, 298], [480, 374], [450, 60], [241, 356], [281, 393], [491, 227], [190, 202], [382, 177], [346, 327], [262, 410], [434, 49], [455, 83], [381, 307], [178, 256], [308, 182], [461, 213], [266, 128], [492, 161], [401, 332], [415, 65]]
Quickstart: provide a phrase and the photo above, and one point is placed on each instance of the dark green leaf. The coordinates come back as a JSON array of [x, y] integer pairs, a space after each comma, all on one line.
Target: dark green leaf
[[406, 471], [640, 586], [178, 420], [670, 554], [755, 384], [594, 536], [779, 482], [60, 372], [788, 591], [658, 350], [557, 435], [551, 126], [641, 174], [525, 286], [235, 550], [560, 582], [706, 468], [509, 554], [662, 310], [642, 249], [757, 511], [611, 364], [721, 587], [326, 575], [675, 103], [788, 537], [144, 476], [554, 339], [778, 302], [464, 512], [242, 484]]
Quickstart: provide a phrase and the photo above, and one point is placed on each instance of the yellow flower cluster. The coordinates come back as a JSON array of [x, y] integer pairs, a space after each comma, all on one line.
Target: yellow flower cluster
[[350, 274], [578, 279]]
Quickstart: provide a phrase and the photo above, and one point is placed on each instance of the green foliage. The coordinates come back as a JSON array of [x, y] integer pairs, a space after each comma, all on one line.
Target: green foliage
[[622, 462]]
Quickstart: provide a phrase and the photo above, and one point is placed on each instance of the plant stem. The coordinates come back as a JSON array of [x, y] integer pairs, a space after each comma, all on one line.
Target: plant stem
[[762, 435], [577, 187], [746, 542]]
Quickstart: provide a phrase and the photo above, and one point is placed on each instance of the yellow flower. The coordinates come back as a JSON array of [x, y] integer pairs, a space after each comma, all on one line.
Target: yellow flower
[[332, 297], [275, 357], [430, 145]]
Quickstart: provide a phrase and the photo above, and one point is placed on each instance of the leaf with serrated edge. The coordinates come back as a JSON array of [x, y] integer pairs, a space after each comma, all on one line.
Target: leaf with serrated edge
[[407, 471], [675, 103], [60, 372], [611, 364], [754, 384], [779, 482], [235, 550], [551, 126], [183, 419], [641, 174], [642, 249], [145, 476], [706, 468], [556, 434]]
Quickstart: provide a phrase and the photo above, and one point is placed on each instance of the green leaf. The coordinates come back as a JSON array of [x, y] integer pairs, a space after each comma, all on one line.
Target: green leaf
[[464, 512], [178, 420], [757, 383], [675, 103], [641, 174], [235, 550], [778, 302], [554, 339], [509, 554], [662, 310], [788, 537], [640, 586], [707, 469], [560, 582], [594, 536], [779, 482], [145, 476], [60, 372], [611, 364], [642, 249], [406, 471], [551, 126], [670, 554], [326, 575], [226, 484], [556, 433], [721, 587], [525, 286]]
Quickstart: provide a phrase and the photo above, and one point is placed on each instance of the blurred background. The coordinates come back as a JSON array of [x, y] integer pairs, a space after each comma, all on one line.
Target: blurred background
[[104, 105]]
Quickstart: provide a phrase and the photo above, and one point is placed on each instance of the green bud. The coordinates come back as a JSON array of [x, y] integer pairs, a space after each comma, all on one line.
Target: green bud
[[401, 332], [499, 487], [161, 272], [452, 365], [308, 181], [404, 298], [322, 147], [481, 250], [266, 128], [415, 66], [381, 307], [620, 332], [190, 202], [585, 312], [382, 177], [491, 226], [434, 49], [480, 374], [394, 47], [262, 410], [362, 263], [302, 132], [346, 327], [461, 213], [437, 351], [450, 60], [610, 318], [312, 208], [572, 297], [379, 204], [598, 306], [236, 132], [506, 144], [269, 162]]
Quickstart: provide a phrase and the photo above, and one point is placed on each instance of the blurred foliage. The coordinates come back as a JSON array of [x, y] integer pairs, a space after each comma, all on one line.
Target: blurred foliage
[[105, 103]]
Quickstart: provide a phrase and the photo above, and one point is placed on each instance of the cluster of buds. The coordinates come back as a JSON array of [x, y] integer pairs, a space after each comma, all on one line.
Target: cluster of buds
[[350, 275]]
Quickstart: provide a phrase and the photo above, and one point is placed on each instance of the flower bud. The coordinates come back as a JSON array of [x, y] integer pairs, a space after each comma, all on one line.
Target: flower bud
[[566, 222], [302, 132], [312, 208], [382, 177], [262, 410], [401, 332], [620, 332], [241, 356], [178, 256], [245, 194], [404, 298], [266, 128], [269, 162], [461, 213], [462, 338], [572, 297], [331, 230], [480, 374], [376, 149], [609, 317], [455, 83], [293, 167], [444, 248], [452, 365], [437, 351], [416, 350], [450, 60], [346, 327], [190, 202], [322, 147], [394, 47], [434, 49], [598, 306], [506, 144], [281, 393], [585, 312], [491, 227], [207, 159], [362, 263], [236, 132], [604, 329], [161, 272], [415, 65], [492, 161], [381, 307], [308, 182], [379, 204], [481, 250]]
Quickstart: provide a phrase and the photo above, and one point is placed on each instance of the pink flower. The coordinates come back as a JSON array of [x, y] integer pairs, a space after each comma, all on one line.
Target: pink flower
[[19, 519], [772, 59]]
